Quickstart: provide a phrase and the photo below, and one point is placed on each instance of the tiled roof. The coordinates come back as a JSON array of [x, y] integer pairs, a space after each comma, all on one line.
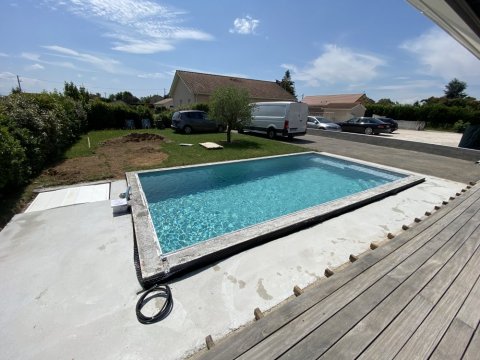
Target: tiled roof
[[206, 84], [324, 100]]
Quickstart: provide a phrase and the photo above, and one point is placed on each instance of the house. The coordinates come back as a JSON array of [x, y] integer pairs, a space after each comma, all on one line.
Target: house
[[165, 103], [192, 87], [336, 107]]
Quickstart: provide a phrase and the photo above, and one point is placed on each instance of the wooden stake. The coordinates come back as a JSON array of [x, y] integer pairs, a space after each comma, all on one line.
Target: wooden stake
[[297, 291], [373, 245], [328, 272], [258, 313], [417, 220], [353, 258], [209, 342], [405, 227], [428, 213]]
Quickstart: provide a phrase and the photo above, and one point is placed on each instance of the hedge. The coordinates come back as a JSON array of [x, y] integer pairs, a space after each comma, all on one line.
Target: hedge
[[102, 115], [36, 129], [435, 115]]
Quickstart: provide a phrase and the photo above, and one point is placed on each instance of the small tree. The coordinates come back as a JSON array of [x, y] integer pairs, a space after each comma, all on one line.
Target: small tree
[[231, 106], [287, 83], [455, 89]]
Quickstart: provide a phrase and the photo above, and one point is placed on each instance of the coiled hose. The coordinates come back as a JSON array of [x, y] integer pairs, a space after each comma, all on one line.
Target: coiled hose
[[160, 291], [156, 291]]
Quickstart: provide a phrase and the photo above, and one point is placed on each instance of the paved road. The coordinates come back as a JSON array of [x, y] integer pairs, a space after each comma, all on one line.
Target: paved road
[[429, 164]]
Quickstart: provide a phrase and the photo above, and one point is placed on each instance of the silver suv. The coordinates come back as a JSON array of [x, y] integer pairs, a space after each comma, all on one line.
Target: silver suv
[[190, 121]]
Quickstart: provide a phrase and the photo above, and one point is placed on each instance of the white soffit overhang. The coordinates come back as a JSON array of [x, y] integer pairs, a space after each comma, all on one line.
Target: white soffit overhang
[[460, 21]]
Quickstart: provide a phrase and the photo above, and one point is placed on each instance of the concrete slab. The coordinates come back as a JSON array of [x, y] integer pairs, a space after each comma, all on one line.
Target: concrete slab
[[116, 188], [70, 196], [68, 283], [211, 145]]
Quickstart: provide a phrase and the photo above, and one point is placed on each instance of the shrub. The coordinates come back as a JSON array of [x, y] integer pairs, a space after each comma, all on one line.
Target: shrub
[[36, 130], [14, 169], [102, 115], [460, 126], [164, 119]]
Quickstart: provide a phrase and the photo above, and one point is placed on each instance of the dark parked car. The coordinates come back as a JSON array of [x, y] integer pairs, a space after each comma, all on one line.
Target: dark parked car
[[365, 125], [190, 121], [393, 124], [318, 122]]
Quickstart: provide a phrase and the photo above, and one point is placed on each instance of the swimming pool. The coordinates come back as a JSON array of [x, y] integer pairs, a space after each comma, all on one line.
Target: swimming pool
[[190, 213]]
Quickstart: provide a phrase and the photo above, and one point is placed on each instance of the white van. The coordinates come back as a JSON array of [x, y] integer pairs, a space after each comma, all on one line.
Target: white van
[[285, 118]]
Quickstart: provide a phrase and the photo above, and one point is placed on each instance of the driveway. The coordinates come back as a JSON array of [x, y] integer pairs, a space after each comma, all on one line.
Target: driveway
[[432, 164], [427, 136]]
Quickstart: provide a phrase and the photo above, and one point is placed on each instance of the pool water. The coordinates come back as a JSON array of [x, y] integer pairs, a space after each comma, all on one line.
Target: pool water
[[194, 204]]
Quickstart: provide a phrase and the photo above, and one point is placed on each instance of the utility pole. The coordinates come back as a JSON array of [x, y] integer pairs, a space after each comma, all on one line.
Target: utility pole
[[19, 86]]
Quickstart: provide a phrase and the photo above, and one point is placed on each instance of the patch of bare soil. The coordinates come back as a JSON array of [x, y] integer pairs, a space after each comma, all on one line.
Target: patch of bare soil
[[111, 160]]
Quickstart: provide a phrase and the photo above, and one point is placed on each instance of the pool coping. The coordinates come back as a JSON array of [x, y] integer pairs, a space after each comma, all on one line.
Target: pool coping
[[156, 266]]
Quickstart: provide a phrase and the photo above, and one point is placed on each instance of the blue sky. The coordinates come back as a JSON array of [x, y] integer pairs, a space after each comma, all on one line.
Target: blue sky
[[385, 48]]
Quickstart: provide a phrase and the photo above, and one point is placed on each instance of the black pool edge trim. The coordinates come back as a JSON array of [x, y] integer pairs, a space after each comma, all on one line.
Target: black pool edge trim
[[198, 263]]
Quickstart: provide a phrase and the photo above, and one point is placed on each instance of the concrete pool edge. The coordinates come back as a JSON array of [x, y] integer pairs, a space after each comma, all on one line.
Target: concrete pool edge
[[155, 266]]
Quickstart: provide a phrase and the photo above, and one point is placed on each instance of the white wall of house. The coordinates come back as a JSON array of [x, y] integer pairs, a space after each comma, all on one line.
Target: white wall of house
[[181, 95], [339, 114]]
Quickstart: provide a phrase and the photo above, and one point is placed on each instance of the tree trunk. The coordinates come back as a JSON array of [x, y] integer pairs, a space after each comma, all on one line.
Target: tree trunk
[[229, 137]]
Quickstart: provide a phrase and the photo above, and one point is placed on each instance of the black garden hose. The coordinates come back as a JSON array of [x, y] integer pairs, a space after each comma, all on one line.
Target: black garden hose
[[160, 291], [156, 291]]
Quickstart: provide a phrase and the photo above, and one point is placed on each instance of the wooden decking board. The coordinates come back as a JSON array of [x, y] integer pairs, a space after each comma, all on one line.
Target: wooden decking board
[[364, 270], [330, 331], [301, 327], [324, 336], [470, 311], [473, 349], [430, 332], [398, 333], [356, 338], [454, 342]]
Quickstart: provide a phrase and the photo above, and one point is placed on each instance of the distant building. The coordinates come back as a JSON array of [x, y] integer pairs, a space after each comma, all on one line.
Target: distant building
[[165, 103], [336, 107], [191, 88]]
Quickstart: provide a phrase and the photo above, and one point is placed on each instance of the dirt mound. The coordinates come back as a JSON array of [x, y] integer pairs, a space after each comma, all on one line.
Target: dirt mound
[[111, 160], [136, 137]]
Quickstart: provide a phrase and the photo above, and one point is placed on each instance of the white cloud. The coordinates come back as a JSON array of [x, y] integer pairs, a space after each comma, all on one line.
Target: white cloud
[[338, 64], [440, 55], [155, 75], [103, 63], [138, 26], [3, 54], [36, 66], [30, 56], [7, 75], [244, 25]]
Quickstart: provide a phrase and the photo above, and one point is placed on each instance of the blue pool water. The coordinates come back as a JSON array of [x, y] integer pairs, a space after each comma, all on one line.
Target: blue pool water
[[195, 204]]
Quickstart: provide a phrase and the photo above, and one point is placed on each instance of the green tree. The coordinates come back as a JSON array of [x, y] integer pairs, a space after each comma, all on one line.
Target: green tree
[[231, 106], [455, 89], [127, 97], [385, 101], [287, 83], [79, 94]]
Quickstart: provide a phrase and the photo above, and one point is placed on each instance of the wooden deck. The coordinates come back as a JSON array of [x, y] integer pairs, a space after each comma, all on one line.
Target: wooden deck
[[415, 297]]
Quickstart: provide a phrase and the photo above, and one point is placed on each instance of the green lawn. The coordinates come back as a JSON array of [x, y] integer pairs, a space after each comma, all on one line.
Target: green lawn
[[242, 146]]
